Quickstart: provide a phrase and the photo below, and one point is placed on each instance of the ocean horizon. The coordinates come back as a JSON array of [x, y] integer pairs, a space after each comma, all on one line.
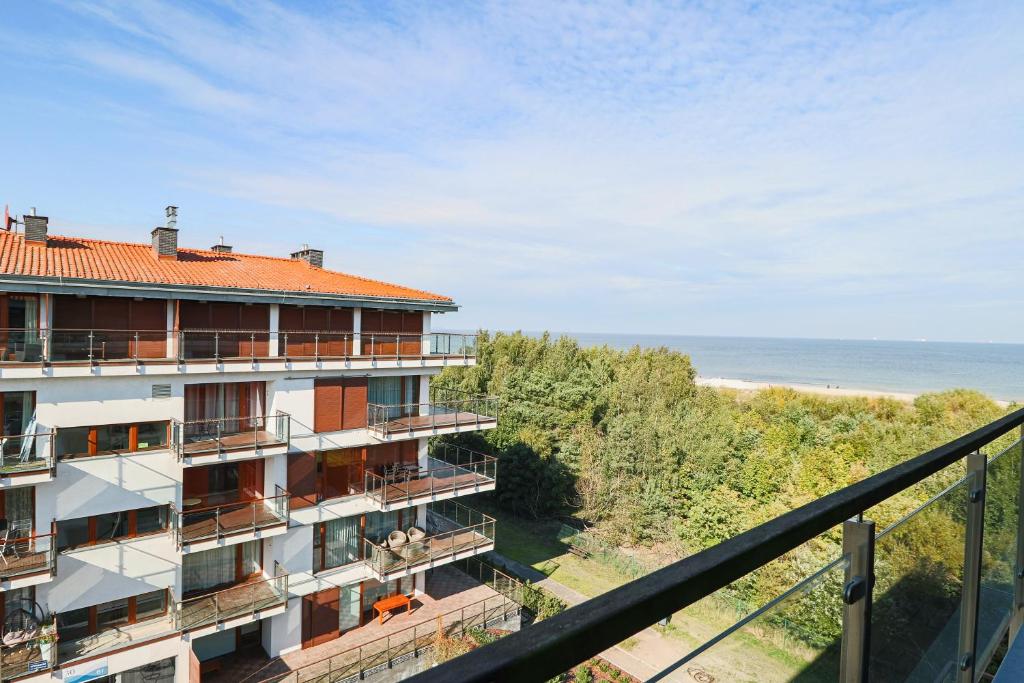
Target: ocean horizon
[[995, 369]]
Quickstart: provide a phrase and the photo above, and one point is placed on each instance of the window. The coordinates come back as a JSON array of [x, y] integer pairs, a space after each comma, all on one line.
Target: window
[[111, 526], [74, 442], [87, 621], [336, 543], [220, 567]]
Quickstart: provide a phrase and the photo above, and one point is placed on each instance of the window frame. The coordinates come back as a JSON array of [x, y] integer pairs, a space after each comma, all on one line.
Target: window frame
[[92, 439], [93, 628], [132, 526]]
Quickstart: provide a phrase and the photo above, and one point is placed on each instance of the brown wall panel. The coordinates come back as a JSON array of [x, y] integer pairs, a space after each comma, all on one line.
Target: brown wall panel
[[355, 390], [327, 405], [302, 479]]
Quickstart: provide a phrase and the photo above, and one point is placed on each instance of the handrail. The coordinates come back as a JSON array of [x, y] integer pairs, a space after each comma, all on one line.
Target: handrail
[[441, 478], [234, 503], [47, 344], [185, 522], [481, 409], [280, 580], [563, 641], [371, 645], [278, 423]]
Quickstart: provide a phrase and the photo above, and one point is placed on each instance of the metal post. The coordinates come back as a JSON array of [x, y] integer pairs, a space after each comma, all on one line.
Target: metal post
[[90, 346], [216, 345], [1017, 618], [398, 347], [316, 346], [252, 346], [967, 654], [859, 547], [135, 352]]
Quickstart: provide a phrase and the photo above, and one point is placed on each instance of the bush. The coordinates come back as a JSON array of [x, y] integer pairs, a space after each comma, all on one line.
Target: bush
[[542, 603]]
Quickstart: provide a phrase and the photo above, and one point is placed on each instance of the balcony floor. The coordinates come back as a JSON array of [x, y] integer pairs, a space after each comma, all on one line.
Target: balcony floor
[[426, 422], [414, 488], [448, 589], [227, 604], [27, 563], [116, 638], [232, 442], [230, 522]]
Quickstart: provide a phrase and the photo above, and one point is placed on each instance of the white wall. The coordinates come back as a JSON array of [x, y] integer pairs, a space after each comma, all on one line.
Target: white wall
[[282, 633], [89, 576]]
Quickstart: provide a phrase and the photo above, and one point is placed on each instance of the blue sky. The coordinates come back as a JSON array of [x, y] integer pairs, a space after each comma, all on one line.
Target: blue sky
[[805, 169]]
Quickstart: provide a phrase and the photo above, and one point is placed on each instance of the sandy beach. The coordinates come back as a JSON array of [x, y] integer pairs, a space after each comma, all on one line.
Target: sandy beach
[[745, 385]]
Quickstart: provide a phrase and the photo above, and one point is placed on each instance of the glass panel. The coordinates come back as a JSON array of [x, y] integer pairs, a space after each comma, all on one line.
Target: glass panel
[[110, 614], [73, 624], [151, 519], [919, 578], [341, 538], [152, 435], [112, 439], [210, 568], [72, 533], [72, 441], [995, 601], [251, 557], [150, 604], [380, 524], [348, 612], [111, 526]]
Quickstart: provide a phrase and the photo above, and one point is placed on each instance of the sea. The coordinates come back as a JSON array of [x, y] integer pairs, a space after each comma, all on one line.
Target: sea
[[996, 370]]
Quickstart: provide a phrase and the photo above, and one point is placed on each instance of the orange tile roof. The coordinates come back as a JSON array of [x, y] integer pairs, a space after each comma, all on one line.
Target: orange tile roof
[[88, 259]]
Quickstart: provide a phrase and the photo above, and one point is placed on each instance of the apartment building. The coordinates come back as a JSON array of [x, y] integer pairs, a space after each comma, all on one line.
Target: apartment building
[[204, 450]]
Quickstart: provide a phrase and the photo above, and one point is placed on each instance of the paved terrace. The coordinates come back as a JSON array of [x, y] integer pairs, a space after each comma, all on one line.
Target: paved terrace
[[447, 589]]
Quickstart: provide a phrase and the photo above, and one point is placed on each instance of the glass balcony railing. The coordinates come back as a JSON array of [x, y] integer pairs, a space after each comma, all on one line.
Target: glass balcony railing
[[27, 555], [470, 412], [454, 529], [116, 638], [452, 469], [204, 521], [247, 599], [216, 435], [26, 453], [100, 345], [28, 651], [932, 596]]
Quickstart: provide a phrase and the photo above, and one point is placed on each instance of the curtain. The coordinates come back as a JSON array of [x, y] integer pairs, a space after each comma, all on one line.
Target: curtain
[[250, 557], [386, 391], [31, 319], [18, 504], [380, 524], [209, 568], [341, 541]]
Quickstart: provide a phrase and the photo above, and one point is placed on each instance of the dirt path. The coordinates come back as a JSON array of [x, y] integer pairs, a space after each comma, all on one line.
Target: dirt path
[[649, 652]]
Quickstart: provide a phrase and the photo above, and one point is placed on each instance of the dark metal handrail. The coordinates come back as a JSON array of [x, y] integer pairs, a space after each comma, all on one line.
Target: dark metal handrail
[[557, 644]]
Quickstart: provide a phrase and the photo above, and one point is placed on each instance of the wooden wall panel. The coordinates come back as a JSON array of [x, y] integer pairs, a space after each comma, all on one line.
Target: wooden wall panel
[[327, 405], [355, 391], [302, 479]]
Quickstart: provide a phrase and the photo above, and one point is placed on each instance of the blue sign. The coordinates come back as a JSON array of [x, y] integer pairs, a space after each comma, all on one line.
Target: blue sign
[[38, 666], [88, 671]]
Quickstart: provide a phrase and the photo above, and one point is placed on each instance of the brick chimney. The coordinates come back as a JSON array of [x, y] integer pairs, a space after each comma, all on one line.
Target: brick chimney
[[165, 239], [314, 257], [35, 227]]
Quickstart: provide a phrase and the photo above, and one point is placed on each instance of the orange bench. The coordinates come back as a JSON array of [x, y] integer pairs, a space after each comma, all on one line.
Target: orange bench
[[388, 604]]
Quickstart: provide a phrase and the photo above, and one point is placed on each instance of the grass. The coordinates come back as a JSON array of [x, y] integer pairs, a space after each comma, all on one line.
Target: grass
[[536, 543]]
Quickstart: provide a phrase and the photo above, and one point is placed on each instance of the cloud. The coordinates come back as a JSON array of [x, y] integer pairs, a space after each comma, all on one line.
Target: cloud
[[749, 156]]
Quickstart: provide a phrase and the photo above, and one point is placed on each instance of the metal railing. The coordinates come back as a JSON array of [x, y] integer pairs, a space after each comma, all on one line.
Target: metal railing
[[930, 595], [29, 555], [22, 345], [385, 420], [453, 529], [412, 641], [205, 522], [230, 603], [117, 637], [27, 453], [27, 653], [402, 486], [215, 435]]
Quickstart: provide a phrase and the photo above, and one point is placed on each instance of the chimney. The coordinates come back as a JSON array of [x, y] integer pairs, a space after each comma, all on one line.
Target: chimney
[[314, 257], [221, 248], [165, 239], [35, 227]]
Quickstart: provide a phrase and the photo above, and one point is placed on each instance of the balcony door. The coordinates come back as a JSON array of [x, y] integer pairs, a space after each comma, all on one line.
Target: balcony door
[[19, 327], [17, 417], [221, 568], [230, 407]]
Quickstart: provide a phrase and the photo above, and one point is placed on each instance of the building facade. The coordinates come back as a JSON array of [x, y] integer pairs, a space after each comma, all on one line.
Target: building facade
[[204, 450]]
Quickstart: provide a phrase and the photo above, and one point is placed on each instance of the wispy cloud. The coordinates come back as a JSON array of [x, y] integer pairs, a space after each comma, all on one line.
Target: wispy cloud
[[538, 159]]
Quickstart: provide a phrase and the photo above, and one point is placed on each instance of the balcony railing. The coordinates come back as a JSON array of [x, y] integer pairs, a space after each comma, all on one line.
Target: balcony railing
[[26, 453], [453, 529], [471, 412], [238, 601], [216, 435], [929, 597], [29, 555], [28, 652], [22, 345], [457, 469], [115, 638], [206, 522]]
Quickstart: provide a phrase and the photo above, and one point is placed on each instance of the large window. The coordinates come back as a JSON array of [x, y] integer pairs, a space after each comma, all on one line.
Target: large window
[[75, 442], [87, 621], [336, 543], [221, 567], [111, 526], [17, 417]]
